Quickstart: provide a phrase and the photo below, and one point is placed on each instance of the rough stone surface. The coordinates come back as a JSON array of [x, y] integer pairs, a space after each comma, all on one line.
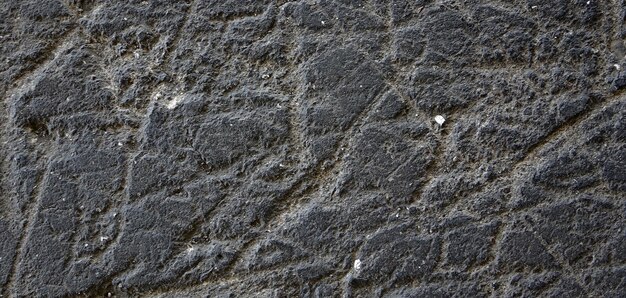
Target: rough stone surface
[[276, 148]]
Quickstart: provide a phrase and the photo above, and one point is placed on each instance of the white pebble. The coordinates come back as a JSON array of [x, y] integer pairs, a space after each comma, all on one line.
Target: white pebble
[[174, 102], [357, 265], [439, 119]]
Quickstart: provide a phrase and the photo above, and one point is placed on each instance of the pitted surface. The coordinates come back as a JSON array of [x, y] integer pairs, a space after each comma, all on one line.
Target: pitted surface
[[342, 148]]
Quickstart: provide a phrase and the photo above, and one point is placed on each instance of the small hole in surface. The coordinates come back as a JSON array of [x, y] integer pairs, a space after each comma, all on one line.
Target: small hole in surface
[[37, 127]]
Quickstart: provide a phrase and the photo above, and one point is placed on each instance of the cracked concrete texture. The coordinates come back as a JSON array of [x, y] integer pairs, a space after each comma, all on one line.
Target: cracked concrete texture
[[296, 148]]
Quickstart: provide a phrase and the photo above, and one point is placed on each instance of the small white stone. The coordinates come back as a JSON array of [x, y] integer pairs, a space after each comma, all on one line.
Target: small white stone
[[357, 265], [439, 119], [617, 66], [174, 102]]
